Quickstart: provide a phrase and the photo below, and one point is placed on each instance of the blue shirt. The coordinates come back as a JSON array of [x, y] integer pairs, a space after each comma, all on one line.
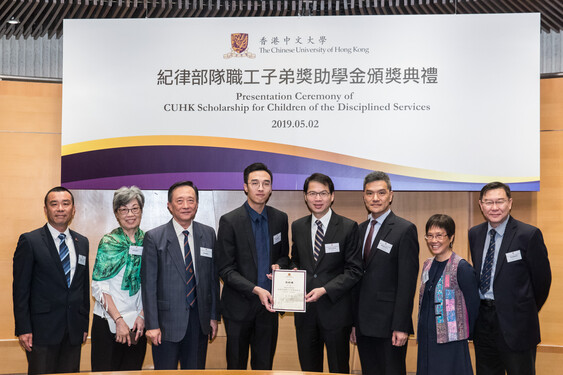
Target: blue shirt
[[262, 241], [500, 229]]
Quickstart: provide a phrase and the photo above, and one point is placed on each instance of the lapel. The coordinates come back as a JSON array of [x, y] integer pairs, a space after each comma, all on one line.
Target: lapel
[[479, 247], [246, 230], [308, 243], [54, 252], [509, 234], [362, 228], [79, 250], [173, 248], [384, 231], [196, 253], [329, 237], [271, 232]]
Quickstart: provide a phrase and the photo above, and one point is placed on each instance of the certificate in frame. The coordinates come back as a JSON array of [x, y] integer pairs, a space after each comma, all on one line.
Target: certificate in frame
[[288, 290]]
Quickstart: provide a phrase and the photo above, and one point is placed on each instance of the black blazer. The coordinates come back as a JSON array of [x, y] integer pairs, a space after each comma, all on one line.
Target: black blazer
[[337, 272], [43, 303], [521, 286], [163, 281], [385, 295], [236, 259]]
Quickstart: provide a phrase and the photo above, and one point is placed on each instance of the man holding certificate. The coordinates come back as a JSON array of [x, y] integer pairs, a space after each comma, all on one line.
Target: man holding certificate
[[326, 245], [251, 242]]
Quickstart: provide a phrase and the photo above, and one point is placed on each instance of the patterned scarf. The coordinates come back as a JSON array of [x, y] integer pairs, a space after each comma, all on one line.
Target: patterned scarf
[[113, 254]]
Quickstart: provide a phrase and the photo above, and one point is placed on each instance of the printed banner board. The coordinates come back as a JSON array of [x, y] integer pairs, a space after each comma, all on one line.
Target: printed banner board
[[445, 102]]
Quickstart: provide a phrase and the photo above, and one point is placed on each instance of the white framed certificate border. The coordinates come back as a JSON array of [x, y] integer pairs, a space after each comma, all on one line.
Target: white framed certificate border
[[301, 279]]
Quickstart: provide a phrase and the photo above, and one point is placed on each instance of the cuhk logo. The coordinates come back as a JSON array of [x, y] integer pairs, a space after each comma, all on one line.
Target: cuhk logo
[[239, 44]]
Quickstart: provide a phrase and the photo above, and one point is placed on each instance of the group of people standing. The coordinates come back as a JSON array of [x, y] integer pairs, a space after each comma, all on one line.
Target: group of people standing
[[162, 286]]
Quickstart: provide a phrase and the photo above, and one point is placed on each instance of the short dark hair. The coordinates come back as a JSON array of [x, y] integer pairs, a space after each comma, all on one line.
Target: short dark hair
[[441, 221], [57, 189], [495, 185], [182, 183], [378, 176], [320, 178], [256, 167]]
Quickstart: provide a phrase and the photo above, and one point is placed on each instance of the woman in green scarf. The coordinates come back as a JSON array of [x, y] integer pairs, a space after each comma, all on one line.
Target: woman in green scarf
[[118, 342]]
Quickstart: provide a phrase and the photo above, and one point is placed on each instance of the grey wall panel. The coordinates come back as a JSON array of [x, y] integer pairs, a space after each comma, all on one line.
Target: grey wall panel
[[43, 57], [551, 52], [94, 214]]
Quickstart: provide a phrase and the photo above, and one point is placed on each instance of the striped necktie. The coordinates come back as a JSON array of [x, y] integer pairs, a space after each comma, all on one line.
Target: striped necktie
[[190, 274], [65, 257], [487, 271], [319, 237]]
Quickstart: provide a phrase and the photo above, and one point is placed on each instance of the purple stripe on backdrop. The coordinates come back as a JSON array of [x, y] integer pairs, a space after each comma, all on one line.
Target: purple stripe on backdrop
[[211, 168], [234, 181]]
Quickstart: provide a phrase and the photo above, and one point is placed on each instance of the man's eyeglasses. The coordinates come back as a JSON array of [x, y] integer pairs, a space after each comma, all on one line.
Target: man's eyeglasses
[[322, 194]]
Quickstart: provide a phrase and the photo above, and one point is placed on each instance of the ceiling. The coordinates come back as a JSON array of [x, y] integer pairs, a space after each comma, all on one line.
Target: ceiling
[[40, 18]]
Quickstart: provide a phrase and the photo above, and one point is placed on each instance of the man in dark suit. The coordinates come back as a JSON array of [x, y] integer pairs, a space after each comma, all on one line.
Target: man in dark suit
[[326, 246], [180, 285], [251, 241], [515, 276], [386, 292], [51, 289]]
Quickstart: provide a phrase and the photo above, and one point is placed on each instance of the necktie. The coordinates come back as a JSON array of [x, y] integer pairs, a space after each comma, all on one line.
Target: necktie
[[487, 271], [65, 257], [319, 237], [190, 275], [367, 244]]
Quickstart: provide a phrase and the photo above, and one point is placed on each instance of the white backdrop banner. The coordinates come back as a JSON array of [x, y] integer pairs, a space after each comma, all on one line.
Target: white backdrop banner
[[445, 102]]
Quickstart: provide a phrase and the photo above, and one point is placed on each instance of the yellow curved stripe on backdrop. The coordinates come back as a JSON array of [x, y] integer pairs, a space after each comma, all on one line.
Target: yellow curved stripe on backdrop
[[305, 152]]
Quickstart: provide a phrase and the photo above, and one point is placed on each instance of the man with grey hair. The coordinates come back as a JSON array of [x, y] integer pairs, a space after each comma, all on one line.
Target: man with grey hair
[[180, 285], [384, 296]]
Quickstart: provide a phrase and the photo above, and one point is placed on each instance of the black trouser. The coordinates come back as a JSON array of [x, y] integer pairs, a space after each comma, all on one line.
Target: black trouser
[[58, 358], [493, 357], [261, 334], [109, 355], [311, 339], [378, 356]]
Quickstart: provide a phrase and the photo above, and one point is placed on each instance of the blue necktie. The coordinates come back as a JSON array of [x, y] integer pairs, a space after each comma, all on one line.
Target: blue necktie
[[319, 238], [190, 275], [65, 257], [487, 271]]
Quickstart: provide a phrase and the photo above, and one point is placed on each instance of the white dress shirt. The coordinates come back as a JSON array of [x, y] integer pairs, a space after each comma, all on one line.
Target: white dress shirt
[[69, 243], [179, 229], [324, 220]]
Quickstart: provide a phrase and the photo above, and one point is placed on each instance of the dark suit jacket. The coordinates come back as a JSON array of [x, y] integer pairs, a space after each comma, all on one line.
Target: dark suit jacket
[[521, 286], [385, 295], [236, 259], [43, 303], [163, 281], [337, 272]]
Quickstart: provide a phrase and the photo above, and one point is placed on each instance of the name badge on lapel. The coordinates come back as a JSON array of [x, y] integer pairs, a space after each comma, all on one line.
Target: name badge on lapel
[[81, 260], [332, 248], [277, 238], [513, 256], [206, 252], [384, 246], [135, 250]]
